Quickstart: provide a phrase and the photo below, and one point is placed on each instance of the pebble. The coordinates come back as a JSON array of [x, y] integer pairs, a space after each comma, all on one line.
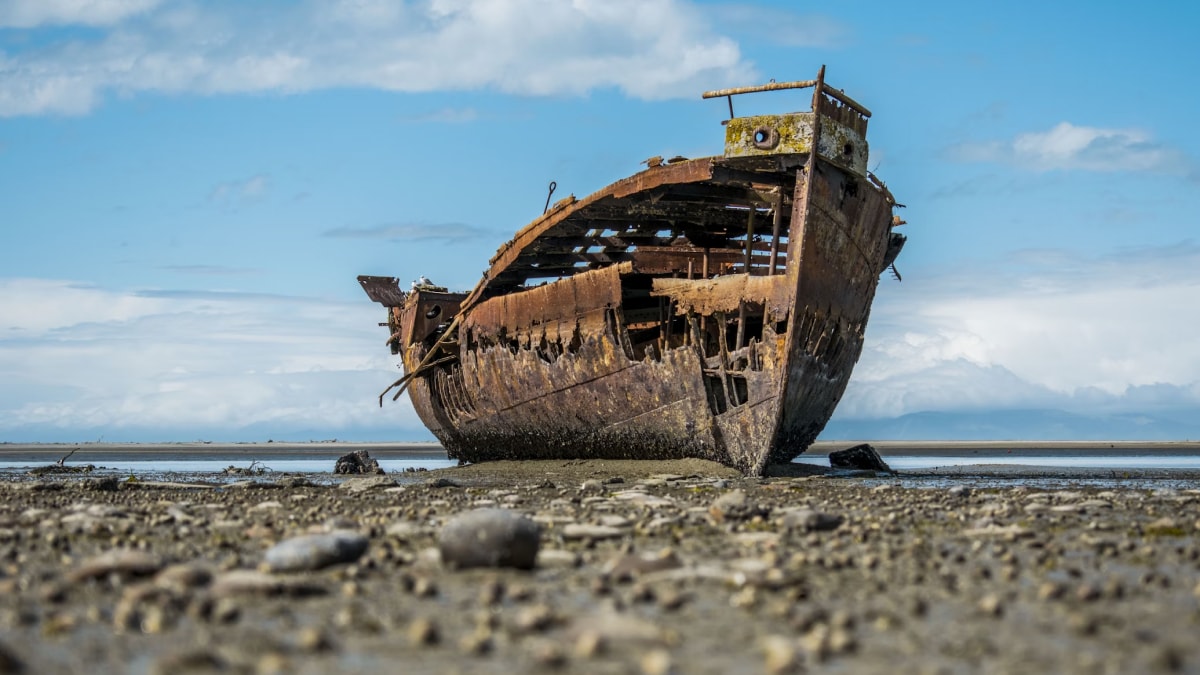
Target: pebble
[[423, 632], [238, 583], [489, 538], [547, 653], [550, 558], [365, 483], [656, 662], [184, 576], [991, 605], [122, 562], [808, 520], [315, 551], [635, 564], [588, 531], [734, 505], [314, 639], [781, 654]]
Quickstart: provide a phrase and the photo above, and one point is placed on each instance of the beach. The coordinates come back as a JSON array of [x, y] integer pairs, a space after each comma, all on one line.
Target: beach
[[643, 567]]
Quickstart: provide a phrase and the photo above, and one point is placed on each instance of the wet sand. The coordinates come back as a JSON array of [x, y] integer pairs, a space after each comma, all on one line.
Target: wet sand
[[651, 567]]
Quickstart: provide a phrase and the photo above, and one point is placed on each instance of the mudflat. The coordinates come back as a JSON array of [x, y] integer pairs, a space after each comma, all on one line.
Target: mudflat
[[644, 567]]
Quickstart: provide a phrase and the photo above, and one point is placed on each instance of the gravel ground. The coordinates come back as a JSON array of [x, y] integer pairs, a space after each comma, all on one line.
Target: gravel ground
[[640, 567]]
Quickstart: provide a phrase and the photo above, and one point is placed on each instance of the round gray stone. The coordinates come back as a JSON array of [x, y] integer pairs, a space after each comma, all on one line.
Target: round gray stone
[[489, 538], [315, 551]]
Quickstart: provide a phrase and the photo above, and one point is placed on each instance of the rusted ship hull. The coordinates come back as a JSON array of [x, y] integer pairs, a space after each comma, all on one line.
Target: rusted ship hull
[[709, 308]]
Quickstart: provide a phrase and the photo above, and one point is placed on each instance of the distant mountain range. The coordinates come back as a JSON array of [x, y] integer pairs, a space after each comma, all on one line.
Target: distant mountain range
[[1007, 425], [1020, 425]]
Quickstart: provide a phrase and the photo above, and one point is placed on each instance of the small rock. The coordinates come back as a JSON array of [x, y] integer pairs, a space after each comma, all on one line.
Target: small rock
[[634, 564], [589, 644], [863, 457], [366, 483], [357, 462], [734, 505], [122, 562], [1051, 590], [423, 632], [656, 662], [991, 605], [959, 491], [808, 520], [547, 653], [251, 582], [489, 538], [585, 531], [106, 484], [184, 576], [781, 654], [477, 643], [315, 551], [535, 619], [313, 639], [404, 529], [443, 482], [557, 558], [1087, 593], [592, 486]]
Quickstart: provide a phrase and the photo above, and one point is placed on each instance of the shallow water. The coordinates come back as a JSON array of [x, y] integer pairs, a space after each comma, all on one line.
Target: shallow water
[[918, 462], [1097, 466], [203, 463]]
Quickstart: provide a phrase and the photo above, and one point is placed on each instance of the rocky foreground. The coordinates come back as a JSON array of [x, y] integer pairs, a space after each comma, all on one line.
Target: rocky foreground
[[607, 567]]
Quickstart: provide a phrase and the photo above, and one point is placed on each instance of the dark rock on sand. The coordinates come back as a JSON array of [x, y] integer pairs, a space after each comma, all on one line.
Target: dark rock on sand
[[859, 457], [315, 551], [357, 462], [489, 538]]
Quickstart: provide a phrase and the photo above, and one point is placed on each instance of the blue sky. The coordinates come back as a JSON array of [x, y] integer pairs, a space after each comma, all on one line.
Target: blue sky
[[188, 190]]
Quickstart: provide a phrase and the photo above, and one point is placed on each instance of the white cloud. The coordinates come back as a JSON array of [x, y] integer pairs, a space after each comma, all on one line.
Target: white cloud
[[1047, 330], [31, 13], [80, 357], [646, 48], [1067, 146], [239, 191]]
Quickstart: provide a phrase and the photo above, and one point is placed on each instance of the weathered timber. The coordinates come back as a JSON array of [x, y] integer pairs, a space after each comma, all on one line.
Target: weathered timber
[[660, 317]]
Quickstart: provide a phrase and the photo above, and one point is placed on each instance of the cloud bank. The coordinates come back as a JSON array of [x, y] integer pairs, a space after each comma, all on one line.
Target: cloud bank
[[76, 359], [1041, 331], [649, 49], [1070, 147]]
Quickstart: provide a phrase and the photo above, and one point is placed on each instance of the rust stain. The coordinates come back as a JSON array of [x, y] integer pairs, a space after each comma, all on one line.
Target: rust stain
[[709, 307]]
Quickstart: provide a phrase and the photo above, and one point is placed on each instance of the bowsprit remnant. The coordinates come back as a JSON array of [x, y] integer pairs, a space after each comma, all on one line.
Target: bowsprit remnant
[[709, 308]]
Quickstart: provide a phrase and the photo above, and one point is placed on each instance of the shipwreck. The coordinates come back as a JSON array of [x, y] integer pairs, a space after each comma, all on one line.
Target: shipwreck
[[709, 308]]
